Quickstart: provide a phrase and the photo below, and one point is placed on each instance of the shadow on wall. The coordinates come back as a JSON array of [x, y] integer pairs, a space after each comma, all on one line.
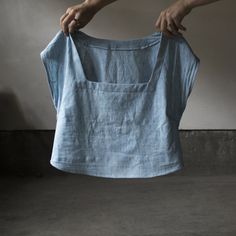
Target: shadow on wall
[[12, 114], [26, 152]]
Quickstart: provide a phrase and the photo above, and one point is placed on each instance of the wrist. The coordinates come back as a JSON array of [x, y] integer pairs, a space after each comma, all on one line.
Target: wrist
[[189, 4], [96, 5]]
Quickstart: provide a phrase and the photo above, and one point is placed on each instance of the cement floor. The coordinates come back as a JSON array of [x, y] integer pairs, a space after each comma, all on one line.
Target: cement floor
[[71, 205]]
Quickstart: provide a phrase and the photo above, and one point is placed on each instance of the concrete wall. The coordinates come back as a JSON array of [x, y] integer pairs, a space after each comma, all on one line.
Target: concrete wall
[[28, 25], [204, 152]]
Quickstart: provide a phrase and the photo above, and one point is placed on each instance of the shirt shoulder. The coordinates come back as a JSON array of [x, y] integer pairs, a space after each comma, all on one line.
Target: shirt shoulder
[[180, 45], [55, 48]]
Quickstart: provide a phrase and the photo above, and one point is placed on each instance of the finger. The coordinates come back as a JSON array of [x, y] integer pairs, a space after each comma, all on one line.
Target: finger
[[74, 25], [69, 10], [67, 21], [172, 26], [158, 23], [168, 33], [164, 28], [159, 20], [182, 27], [176, 28], [179, 25], [63, 17], [61, 20], [71, 26]]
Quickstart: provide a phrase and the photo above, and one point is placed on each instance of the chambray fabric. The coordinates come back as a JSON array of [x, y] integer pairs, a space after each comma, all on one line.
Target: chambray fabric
[[118, 103]]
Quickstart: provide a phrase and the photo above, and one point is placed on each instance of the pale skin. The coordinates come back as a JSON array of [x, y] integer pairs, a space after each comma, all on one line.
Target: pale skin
[[168, 22]]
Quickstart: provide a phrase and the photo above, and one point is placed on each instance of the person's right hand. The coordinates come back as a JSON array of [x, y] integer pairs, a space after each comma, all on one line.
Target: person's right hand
[[84, 12]]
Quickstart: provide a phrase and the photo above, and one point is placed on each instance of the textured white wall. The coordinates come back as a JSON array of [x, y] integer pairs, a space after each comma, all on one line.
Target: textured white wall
[[27, 26]]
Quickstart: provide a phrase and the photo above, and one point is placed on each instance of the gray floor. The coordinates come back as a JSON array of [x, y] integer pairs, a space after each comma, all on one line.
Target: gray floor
[[69, 205]]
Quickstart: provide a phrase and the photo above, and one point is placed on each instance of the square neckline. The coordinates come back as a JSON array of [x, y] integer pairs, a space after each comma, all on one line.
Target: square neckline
[[115, 44]]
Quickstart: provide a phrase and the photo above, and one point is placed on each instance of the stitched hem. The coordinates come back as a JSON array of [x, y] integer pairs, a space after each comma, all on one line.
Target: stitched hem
[[115, 172]]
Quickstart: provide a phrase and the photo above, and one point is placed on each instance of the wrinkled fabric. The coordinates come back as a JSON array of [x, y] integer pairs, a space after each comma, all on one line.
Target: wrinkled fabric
[[118, 103]]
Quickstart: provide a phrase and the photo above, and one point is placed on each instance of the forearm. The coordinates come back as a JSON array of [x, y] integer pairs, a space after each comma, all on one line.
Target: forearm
[[98, 4], [196, 3]]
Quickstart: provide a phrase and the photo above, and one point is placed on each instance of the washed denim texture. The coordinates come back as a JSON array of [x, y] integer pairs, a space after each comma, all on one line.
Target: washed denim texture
[[118, 103]]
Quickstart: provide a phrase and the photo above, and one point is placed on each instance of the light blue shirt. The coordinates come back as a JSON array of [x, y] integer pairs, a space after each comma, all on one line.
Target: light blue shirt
[[118, 103]]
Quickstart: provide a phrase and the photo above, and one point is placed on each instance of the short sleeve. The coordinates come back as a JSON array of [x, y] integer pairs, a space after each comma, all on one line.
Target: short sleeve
[[187, 65], [52, 58]]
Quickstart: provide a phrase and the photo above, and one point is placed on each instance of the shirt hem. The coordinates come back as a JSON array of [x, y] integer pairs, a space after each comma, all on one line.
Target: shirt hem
[[105, 172]]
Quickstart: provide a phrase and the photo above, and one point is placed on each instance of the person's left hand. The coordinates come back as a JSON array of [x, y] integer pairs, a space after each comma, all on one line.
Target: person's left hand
[[170, 19]]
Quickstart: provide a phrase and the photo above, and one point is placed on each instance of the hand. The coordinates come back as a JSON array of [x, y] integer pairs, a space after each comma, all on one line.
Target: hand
[[84, 12], [170, 19]]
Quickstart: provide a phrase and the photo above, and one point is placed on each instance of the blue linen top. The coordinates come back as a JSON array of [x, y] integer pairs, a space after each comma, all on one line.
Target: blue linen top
[[118, 103]]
